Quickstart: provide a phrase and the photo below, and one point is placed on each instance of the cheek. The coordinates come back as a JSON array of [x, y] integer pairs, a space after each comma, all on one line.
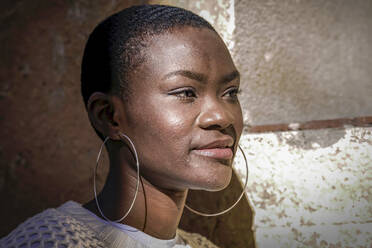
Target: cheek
[[163, 139], [162, 131], [169, 123]]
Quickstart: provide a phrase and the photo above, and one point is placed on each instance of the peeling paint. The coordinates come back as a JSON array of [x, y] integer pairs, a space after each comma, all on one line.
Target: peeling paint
[[310, 196], [311, 140], [347, 235]]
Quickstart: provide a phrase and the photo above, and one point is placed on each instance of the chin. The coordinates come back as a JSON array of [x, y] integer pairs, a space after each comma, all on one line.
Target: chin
[[216, 182]]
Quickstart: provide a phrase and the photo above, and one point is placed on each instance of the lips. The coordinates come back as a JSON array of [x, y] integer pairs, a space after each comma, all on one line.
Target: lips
[[217, 149]]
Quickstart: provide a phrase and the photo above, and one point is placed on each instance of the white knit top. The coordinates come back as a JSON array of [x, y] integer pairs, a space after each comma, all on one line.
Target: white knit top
[[71, 225]]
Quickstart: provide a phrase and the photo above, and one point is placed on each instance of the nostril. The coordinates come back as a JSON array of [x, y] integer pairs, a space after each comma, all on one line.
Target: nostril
[[213, 127]]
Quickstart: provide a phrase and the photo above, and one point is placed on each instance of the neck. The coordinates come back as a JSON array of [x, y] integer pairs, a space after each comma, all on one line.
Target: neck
[[156, 211]]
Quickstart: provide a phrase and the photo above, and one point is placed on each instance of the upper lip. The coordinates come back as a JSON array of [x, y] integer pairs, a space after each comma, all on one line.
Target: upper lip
[[219, 143]]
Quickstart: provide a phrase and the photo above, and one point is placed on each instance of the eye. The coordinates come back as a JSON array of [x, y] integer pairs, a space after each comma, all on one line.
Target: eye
[[232, 93], [184, 93]]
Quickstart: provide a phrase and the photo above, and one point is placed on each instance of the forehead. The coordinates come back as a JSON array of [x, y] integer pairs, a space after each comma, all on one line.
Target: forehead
[[187, 48]]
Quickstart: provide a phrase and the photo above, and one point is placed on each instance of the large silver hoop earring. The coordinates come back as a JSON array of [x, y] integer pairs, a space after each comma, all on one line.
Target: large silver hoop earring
[[232, 206], [138, 178]]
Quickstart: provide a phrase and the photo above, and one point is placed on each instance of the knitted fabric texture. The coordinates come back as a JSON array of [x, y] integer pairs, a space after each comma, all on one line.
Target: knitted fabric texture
[[51, 228], [73, 226]]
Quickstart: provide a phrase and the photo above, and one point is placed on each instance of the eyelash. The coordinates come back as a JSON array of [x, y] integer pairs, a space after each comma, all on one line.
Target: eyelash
[[184, 93], [233, 93], [190, 94]]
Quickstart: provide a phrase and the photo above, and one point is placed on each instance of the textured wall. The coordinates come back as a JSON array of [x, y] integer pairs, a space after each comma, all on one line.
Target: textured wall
[[311, 188], [47, 148], [221, 14], [304, 60]]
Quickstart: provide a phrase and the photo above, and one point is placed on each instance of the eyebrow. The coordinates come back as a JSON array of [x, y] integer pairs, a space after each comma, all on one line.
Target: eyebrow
[[189, 74], [200, 77], [230, 77]]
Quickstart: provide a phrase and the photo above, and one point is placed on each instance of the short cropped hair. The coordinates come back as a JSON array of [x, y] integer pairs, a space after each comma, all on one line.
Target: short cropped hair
[[115, 45]]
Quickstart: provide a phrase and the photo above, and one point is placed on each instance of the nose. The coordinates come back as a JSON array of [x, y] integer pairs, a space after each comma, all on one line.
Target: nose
[[215, 115]]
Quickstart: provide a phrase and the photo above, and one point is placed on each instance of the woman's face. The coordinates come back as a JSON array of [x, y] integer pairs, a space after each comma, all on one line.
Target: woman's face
[[183, 113]]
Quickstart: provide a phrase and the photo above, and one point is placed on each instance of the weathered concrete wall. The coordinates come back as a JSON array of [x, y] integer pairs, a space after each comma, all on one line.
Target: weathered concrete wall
[[221, 14], [304, 60], [311, 188]]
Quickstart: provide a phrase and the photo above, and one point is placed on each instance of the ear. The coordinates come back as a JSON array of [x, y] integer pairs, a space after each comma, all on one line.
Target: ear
[[104, 113]]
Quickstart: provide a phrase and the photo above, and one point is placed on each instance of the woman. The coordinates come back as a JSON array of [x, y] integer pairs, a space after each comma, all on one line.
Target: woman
[[160, 89]]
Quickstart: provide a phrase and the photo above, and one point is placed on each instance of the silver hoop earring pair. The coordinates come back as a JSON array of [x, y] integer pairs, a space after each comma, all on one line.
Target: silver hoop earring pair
[[138, 181]]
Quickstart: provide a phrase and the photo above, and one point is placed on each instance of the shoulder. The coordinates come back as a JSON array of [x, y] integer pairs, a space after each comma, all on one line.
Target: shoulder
[[195, 240], [51, 228]]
